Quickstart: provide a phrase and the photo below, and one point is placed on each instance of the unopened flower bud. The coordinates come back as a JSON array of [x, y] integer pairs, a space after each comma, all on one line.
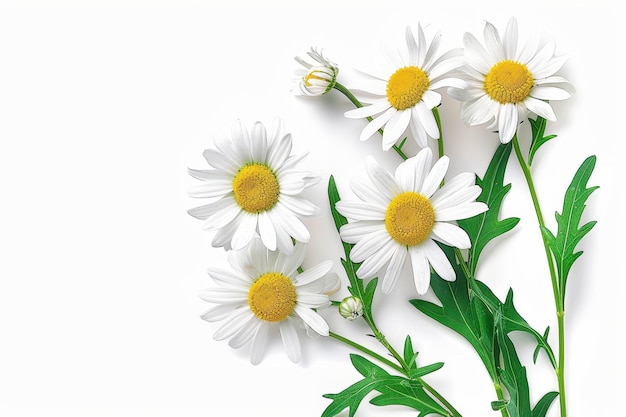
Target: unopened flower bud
[[351, 308], [316, 79]]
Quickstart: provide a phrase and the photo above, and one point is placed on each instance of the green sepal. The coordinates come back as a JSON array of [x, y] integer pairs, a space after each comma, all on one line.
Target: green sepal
[[538, 128], [485, 227], [569, 233]]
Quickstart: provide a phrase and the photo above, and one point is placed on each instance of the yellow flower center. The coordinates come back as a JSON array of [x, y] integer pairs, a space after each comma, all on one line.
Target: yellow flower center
[[313, 75], [409, 218], [406, 87], [256, 188], [272, 297], [508, 82]]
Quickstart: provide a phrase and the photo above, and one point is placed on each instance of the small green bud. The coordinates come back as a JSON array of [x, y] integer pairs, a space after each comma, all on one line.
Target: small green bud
[[351, 308]]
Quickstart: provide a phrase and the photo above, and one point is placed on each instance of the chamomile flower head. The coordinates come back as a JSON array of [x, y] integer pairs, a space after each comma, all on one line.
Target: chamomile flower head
[[400, 94], [315, 79], [399, 217], [505, 83], [255, 187], [264, 292]]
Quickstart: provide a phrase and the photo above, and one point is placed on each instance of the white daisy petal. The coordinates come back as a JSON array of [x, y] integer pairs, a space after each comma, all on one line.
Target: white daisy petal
[[266, 230], [464, 211], [313, 320], [549, 93], [394, 269], [507, 122], [510, 39], [438, 260], [358, 210], [259, 343], [421, 270], [493, 42], [311, 300], [366, 192], [288, 264], [223, 295], [427, 120], [540, 108], [435, 176], [311, 274], [377, 123], [245, 334], [290, 339], [353, 232], [396, 126], [451, 235], [368, 246], [219, 312], [233, 324], [381, 179], [366, 111], [476, 55], [245, 232], [372, 265]]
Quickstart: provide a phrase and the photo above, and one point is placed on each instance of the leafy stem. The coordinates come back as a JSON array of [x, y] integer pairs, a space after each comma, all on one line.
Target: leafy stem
[[558, 298], [367, 351]]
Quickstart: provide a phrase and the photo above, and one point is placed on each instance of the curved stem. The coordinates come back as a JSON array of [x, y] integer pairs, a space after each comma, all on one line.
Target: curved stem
[[404, 371], [358, 104], [558, 298]]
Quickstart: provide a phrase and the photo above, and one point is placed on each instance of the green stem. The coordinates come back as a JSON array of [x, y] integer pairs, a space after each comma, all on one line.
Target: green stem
[[367, 351], [470, 281], [560, 371], [440, 147], [358, 104]]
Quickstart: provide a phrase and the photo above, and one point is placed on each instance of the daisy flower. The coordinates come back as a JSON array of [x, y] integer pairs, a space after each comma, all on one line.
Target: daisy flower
[[315, 79], [264, 291], [400, 94], [399, 217], [255, 187], [505, 83]]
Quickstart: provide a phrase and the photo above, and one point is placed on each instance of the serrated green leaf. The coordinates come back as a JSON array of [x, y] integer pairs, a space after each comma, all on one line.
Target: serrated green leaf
[[569, 233], [511, 319], [538, 128], [485, 227], [513, 376], [410, 394], [459, 313], [393, 389]]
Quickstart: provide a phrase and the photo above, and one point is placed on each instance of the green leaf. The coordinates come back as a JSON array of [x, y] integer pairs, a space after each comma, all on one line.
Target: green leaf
[[569, 233], [512, 319], [469, 318], [485, 227], [538, 128], [499, 405], [513, 376], [410, 394], [541, 408], [393, 389]]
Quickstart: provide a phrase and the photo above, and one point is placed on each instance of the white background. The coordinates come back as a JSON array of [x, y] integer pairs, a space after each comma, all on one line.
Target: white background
[[104, 106]]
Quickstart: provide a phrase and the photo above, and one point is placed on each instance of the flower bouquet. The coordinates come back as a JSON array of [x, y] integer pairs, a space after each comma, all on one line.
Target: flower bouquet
[[410, 223]]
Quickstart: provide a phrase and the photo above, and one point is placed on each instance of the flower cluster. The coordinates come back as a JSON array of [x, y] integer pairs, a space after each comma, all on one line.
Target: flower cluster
[[414, 216]]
